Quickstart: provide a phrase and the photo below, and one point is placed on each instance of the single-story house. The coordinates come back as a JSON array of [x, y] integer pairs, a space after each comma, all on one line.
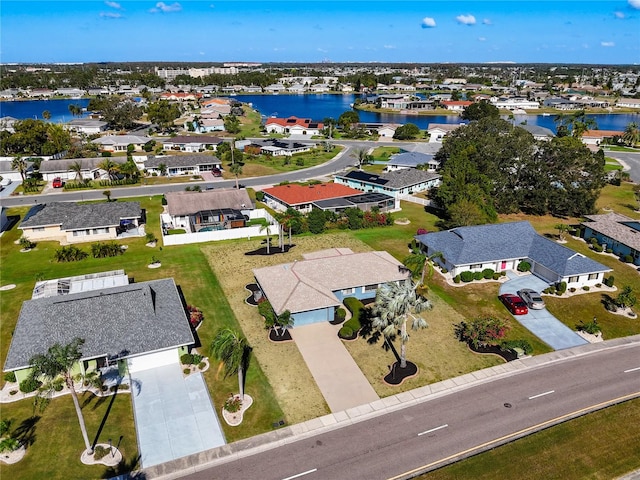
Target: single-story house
[[503, 246], [437, 131], [412, 160], [397, 183], [596, 137], [314, 287], [87, 126], [539, 133], [208, 210], [362, 201], [275, 148], [293, 125], [119, 143], [6, 172], [183, 164], [456, 105], [628, 103], [302, 197], [617, 232], [130, 327], [69, 222], [62, 168], [193, 144]]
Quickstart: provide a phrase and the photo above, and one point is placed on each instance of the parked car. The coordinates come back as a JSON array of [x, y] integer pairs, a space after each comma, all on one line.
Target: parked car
[[514, 304], [57, 182], [216, 172], [531, 298]]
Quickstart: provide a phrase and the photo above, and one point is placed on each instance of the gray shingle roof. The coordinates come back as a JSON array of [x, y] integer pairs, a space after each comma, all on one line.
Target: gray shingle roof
[[52, 166], [182, 161], [410, 159], [189, 203], [618, 227], [506, 241], [198, 140], [127, 320], [396, 179], [71, 216]]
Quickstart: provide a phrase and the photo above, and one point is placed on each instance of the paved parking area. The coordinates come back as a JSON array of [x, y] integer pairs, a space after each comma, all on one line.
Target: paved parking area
[[339, 378], [540, 322], [174, 415]]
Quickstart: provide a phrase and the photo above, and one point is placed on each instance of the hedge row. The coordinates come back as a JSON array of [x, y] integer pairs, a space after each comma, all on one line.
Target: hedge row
[[351, 326]]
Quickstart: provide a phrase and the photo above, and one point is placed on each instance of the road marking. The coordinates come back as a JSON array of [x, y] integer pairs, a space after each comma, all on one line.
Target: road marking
[[632, 370], [301, 474], [542, 394], [517, 434], [434, 429]]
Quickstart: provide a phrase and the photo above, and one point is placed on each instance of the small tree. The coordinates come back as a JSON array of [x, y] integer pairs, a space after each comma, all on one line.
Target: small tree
[[626, 298], [285, 320], [107, 193], [233, 351], [482, 331], [562, 229]]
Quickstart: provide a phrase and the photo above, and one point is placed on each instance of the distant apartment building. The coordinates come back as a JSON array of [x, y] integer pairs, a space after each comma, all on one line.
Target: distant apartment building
[[170, 74]]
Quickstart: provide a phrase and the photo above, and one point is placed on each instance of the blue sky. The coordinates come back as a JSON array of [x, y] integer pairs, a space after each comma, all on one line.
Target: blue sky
[[548, 31]]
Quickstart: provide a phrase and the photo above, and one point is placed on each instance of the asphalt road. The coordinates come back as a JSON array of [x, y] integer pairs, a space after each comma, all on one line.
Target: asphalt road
[[631, 159], [419, 438]]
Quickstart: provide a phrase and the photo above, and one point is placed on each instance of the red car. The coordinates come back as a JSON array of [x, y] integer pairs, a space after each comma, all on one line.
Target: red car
[[57, 182], [514, 304]]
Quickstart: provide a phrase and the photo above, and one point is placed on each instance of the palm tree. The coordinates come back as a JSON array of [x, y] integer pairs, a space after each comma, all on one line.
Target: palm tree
[[285, 320], [236, 169], [395, 304], [631, 134], [59, 361], [109, 166], [232, 350], [20, 164], [76, 167], [419, 263], [163, 169], [363, 157], [267, 228]]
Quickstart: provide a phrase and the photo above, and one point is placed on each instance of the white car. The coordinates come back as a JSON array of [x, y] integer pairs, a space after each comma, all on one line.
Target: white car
[[531, 298], [5, 181]]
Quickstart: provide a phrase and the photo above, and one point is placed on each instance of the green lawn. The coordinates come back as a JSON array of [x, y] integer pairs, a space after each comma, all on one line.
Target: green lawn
[[601, 445]]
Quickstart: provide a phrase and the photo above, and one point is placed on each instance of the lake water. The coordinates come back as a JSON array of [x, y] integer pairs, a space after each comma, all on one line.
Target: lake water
[[317, 107]]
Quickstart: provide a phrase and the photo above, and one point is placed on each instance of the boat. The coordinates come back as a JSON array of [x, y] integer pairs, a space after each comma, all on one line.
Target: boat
[[546, 114]]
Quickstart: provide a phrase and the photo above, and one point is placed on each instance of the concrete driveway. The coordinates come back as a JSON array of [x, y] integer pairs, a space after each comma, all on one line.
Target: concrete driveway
[[540, 322], [174, 415], [337, 375]]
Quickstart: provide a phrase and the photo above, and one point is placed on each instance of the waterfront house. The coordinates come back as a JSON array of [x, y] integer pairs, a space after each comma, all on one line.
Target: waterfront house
[[120, 143], [293, 126]]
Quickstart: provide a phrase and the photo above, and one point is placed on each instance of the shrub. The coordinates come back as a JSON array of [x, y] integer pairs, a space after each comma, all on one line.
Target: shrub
[[266, 310], [29, 385], [58, 384], [422, 231], [627, 259], [586, 288], [190, 359], [456, 279], [341, 313], [609, 281], [25, 243], [186, 371], [496, 276], [524, 345], [70, 253], [176, 231], [104, 250], [524, 266], [477, 275], [598, 285], [195, 315], [9, 444], [4, 427], [487, 273], [355, 306], [591, 327], [164, 200], [482, 331], [593, 241], [233, 403], [466, 276], [201, 365], [598, 248], [10, 377], [151, 237], [106, 154], [259, 196], [345, 332], [444, 270], [572, 289], [561, 287], [609, 250]]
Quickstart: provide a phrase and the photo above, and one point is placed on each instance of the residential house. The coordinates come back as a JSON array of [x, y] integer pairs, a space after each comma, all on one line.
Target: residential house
[[68, 222], [302, 197], [181, 96], [514, 103], [362, 201], [182, 164], [276, 148], [456, 105], [502, 247], [208, 125], [275, 88], [7, 122], [293, 126], [539, 133], [396, 183], [8, 173], [192, 144], [628, 103], [86, 126], [597, 137], [617, 232], [437, 131], [208, 210], [120, 143], [313, 288], [89, 168], [125, 326], [412, 160]]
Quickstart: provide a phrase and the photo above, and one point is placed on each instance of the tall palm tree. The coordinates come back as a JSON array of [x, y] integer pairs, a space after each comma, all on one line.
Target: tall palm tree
[[363, 157], [395, 304], [267, 228], [419, 263], [59, 361], [20, 164], [631, 134], [109, 166], [233, 350], [236, 169], [76, 167]]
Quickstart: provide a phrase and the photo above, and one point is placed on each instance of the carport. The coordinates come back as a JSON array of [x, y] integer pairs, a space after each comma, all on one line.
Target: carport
[[541, 322]]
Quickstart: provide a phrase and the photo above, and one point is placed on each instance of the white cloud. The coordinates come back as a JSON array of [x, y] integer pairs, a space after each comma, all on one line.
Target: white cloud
[[486, 21], [428, 22], [466, 19], [607, 44], [481, 39], [115, 5], [163, 7], [634, 4], [322, 50], [618, 15], [390, 47], [110, 15], [201, 53]]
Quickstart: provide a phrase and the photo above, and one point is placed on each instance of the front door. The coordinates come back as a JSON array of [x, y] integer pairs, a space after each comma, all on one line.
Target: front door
[[503, 265]]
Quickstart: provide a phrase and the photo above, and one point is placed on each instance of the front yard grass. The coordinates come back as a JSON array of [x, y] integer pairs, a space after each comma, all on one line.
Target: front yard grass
[[601, 445]]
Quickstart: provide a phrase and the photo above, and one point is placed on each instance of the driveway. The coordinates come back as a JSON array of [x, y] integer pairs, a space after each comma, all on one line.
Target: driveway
[[540, 322], [174, 415], [337, 375]]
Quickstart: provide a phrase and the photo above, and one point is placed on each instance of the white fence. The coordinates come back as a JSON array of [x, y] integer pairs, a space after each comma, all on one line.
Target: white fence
[[226, 234]]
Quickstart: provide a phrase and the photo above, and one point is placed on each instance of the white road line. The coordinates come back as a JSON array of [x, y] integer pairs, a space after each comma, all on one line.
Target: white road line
[[301, 474], [434, 429], [632, 370], [542, 394]]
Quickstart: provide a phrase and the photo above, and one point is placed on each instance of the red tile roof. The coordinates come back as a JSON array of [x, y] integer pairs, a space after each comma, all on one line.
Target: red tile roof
[[464, 103], [602, 133], [292, 121], [295, 194]]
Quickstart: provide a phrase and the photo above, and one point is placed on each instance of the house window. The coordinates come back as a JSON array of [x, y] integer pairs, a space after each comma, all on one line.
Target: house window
[[593, 276], [475, 266], [38, 229], [99, 231], [81, 233], [348, 291], [370, 288], [573, 279]]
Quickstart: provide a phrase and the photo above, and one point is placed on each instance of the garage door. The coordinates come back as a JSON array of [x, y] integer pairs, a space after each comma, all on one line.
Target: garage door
[[151, 360]]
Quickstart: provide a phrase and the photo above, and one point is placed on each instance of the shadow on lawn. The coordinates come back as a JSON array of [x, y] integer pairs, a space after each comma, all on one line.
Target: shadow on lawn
[[25, 433], [272, 250]]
